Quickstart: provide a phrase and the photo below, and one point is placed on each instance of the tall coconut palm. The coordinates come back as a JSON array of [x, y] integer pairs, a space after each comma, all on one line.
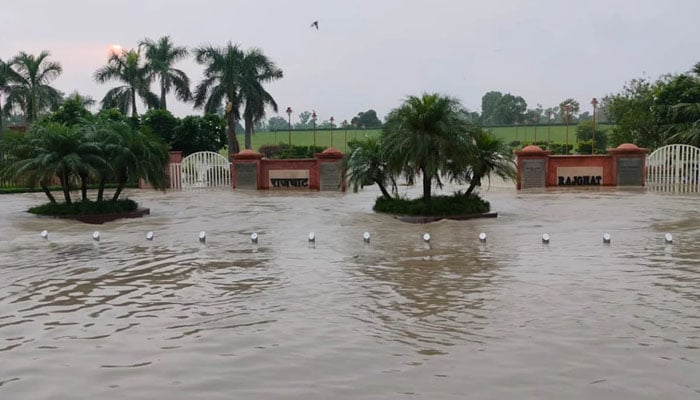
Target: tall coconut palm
[[29, 89], [222, 83], [426, 135], [256, 69], [160, 58], [126, 67], [7, 76]]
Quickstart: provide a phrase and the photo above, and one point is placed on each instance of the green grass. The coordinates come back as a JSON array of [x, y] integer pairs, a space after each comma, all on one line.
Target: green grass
[[553, 133]]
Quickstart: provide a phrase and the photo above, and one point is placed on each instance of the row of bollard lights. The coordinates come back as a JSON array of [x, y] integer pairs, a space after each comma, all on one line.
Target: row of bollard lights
[[668, 238]]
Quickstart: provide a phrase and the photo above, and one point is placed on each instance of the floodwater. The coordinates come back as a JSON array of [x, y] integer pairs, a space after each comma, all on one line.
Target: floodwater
[[510, 318]]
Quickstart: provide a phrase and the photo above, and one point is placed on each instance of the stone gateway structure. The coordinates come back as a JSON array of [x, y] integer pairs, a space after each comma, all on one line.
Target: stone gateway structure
[[622, 166]]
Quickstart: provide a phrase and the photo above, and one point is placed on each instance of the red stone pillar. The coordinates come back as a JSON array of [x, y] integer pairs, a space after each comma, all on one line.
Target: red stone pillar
[[532, 166], [331, 174], [245, 170], [629, 164]]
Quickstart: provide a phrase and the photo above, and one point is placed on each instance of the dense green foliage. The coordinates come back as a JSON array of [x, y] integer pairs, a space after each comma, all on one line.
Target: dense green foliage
[[195, 133], [366, 119], [456, 204], [584, 134], [86, 207]]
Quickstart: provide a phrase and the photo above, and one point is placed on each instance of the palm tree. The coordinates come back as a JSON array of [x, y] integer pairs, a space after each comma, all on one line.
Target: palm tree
[[222, 82], [59, 151], [685, 118], [29, 89], [160, 57], [7, 76], [256, 69], [131, 155], [126, 67], [488, 156], [426, 135], [365, 166]]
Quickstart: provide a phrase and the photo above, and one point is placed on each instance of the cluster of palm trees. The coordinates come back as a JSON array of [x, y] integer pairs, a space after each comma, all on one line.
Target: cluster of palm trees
[[233, 78], [100, 151], [432, 137]]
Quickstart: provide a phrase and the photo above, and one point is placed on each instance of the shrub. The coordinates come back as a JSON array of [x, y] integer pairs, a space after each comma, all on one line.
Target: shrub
[[457, 204], [85, 207]]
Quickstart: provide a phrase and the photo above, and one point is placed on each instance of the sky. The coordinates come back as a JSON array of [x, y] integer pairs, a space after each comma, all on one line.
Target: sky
[[372, 54]]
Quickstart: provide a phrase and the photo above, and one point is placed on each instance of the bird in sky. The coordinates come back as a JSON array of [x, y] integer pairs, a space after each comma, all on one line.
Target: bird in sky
[[314, 25]]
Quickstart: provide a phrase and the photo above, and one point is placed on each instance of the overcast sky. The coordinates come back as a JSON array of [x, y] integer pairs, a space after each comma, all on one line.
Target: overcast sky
[[373, 53]]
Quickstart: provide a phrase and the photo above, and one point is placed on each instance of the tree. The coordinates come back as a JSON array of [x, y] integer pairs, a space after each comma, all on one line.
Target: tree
[[29, 88], [256, 69], [569, 113], [196, 133], [161, 123], [630, 111], [426, 135], [277, 124], [497, 108], [126, 67], [160, 58], [368, 119], [222, 82], [366, 166], [304, 118], [72, 111], [489, 155], [7, 77]]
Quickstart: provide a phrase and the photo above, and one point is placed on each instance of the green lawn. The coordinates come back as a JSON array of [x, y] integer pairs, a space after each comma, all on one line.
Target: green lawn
[[555, 133]]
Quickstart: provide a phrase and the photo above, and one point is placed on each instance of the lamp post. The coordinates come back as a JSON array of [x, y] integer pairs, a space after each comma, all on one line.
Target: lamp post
[[516, 130], [535, 119], [549, 131], [289, 126], [568, 117], [525, 139], [345, 126], [313, 120], [332, 119], [594, 102]]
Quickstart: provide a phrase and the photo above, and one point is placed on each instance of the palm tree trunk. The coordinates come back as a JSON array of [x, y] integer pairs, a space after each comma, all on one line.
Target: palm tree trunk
[[83, 186], [163, 93], [134, 113], [65, 185], [47, 192], [385, 192], [101, 189], [248, 131], [471, 187], [233, 146], [120, 187], [427, 184]]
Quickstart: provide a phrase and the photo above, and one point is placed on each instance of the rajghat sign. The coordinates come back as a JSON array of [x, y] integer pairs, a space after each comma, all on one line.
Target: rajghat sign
[[622, 166]]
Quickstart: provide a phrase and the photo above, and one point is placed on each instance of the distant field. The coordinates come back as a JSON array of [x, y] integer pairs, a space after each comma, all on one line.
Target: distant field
[[555, 133]]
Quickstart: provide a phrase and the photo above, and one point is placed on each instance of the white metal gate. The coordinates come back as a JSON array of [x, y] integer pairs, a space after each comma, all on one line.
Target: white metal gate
[[204, 170], [674, 168]]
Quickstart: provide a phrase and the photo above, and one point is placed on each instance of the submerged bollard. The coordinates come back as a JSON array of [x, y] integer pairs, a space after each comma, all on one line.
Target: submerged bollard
[[96, 236], [426, 237], [668, 238], [545, 238], [254, 238], [45, 234], [312, 237], [606, 238], [202, 237], [149, 235], [365, 237], [482, 237]]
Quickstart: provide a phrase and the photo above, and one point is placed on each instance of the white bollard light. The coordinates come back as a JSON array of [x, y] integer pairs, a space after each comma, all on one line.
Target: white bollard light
[[482, 237], [254, 237], [149, 235], [312, 237], [668, 238], [96, 236], [365, 237], [545, 238], [45, 234], [606, 238], [202, 237], [426, 237]]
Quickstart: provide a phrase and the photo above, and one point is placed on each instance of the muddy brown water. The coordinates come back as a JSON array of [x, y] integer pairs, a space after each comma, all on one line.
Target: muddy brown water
[[510, 318]]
